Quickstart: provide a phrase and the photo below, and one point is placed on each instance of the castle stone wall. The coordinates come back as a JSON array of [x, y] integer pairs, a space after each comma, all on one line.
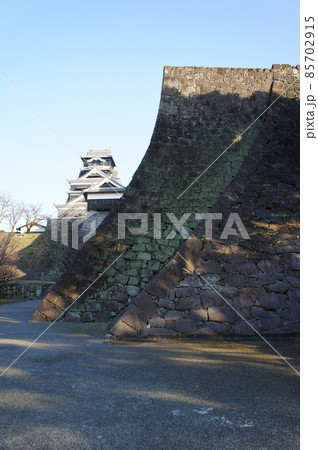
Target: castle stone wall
[[202, 112]]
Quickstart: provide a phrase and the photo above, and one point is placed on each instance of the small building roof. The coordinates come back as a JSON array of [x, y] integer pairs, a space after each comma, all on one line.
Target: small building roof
[[35, 225]]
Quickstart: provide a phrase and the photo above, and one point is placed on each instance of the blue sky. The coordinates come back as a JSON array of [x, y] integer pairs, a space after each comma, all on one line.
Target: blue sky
[[93, 69]]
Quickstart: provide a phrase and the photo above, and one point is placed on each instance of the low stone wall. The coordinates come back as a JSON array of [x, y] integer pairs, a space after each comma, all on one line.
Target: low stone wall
[[26, 289]]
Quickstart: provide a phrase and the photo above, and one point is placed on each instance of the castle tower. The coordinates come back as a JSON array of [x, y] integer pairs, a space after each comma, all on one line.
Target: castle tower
[[97, 187]]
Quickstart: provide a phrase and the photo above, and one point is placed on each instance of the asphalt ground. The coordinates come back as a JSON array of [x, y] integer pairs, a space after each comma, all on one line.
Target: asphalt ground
[[73, 390]]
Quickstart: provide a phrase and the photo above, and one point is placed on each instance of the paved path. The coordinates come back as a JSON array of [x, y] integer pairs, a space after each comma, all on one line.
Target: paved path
[[72, 390]]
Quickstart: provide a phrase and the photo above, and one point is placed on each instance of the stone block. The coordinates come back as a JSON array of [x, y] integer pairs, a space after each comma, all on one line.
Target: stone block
[[158, 332], [120, 296], [210, 278], [210, 267], [185, 325], [226, 291], [145, 273], [132, 290], [280, 287], [135, 317], [159, 286], [252, 282], [145, 256], [49, 310], [103, 316], [231, 258], [88, 317], [265, 248], [211, 254], [134, 281], [221, 314], [191, 281], [37, 317], [203, 332], [294, 295], [268, 266], [199, 314], [170, 323], [67, 289], [132, 273], [218, 327], [242, 301], [190, 251], [288, 249], [246, 313], [244, 329], [291, 313], [188, 303], [258, 312], [273, 301], [237, 250], [235, 279], [72, 317], [271, 323], [173, 315], [146, 303], [121, 329], [210, 298], [122, 279], [138, 248], [166, 303], [246, 268], [103, 294], [154, 265], [264, 278], [185, 291], [175, 268], [157, 323], [54, 297], [294, 281], [229, 267], [110, 305]]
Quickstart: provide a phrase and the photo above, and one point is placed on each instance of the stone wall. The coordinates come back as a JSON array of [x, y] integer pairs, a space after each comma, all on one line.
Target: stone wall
[[25, 289], [202, 112]]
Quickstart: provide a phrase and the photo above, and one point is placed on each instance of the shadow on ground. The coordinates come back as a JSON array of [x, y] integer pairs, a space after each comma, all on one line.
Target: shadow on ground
[[71, 388]]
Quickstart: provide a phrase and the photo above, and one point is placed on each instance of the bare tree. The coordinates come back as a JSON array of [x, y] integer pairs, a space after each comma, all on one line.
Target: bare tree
[[15, 213], [7, 248], [33, 214], [5, 204]]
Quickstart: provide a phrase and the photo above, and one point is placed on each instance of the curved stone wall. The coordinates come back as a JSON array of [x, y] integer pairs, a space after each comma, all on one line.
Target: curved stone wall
[[202, 112]]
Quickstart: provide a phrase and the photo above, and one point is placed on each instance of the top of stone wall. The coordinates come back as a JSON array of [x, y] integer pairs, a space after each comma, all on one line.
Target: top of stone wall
[[202, 68], [196, 82]]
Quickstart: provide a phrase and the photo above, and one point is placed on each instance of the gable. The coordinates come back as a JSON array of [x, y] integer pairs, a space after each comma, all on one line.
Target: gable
[[94, 173]]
